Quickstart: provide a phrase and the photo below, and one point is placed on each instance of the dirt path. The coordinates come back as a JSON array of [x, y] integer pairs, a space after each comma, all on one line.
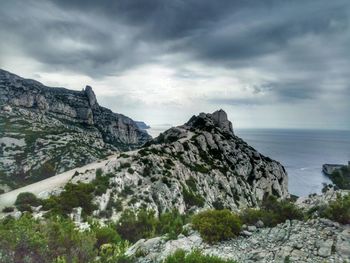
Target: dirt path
[[9, 198]]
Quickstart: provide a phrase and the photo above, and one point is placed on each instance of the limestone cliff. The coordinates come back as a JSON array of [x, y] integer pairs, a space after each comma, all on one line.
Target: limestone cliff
[[46, 130], [200, 164]]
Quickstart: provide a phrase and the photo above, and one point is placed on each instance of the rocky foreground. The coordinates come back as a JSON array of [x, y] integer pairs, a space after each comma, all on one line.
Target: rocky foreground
[[316, 241]]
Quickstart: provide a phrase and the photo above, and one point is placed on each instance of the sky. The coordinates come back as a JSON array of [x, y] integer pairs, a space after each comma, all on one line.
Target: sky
[[268, 64]]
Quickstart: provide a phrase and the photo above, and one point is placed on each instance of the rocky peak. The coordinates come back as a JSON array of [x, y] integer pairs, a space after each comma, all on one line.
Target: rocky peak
[[91, 96], [216, 119], [220, 119]]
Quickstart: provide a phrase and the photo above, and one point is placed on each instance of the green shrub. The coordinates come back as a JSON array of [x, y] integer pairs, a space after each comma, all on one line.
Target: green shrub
[[24, 208], [272, 212], [105, 235], [200, 168], [114, 253], [191, 183], [131, 171], [192, 199], [338, 210], [124, 155], [170, 223], [27, 198], [218, 205], [180, 256], [217, 225], [126, 191], [279, 211], [99, 172], [341, 177], [101, 183], [8, 209], [250, 216], [124, 165], [134, 226], [25, 201], [31, 241], [74, 195]]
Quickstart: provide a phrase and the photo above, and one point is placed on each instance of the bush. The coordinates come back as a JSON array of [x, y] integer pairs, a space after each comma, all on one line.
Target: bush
[[217, 225], [99, 172], [25, 201], [8, 209], [74, 195], [124, 165], [272, 212], [24, 208], [132, 226], [31, 241], [27, 198], [250, 216], [106, 235], [180, 256], [114, 253], [171, 224], [279, 211], [338, 210], [192, 199], [341, 177]]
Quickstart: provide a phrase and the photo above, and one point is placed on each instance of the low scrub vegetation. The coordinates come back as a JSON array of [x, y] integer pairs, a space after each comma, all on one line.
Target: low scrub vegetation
[[180, 256], [25, 201], [143, 224], [272, 212], [74, 195], [337, 210], [57, 240], [341, 177], [192, 199], [217, 225]]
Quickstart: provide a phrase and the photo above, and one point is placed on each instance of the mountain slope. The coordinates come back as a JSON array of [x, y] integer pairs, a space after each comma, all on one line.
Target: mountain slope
[[199, 164], [45, 131]]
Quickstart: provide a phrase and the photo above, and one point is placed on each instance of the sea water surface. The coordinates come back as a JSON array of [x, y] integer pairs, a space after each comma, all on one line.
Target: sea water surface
[[301, 152]]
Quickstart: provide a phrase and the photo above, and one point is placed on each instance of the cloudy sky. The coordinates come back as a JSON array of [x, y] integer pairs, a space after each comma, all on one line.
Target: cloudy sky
[[270, 64]]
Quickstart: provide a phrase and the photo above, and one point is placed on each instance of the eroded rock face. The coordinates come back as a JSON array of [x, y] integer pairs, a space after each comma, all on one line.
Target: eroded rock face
[[61, 129], [198, 165], [314, 241]]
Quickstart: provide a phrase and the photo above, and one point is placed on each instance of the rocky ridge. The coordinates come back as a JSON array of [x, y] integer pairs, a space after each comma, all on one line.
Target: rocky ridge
[[317, 241], [200, 164], [44, 131]]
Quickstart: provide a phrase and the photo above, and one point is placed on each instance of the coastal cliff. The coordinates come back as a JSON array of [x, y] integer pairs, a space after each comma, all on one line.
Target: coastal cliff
[[195, 165], [47, 130]]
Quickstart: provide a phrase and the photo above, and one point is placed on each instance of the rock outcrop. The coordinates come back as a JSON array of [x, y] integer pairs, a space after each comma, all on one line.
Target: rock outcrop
[[200, 164], [314, 241], [46, 130]]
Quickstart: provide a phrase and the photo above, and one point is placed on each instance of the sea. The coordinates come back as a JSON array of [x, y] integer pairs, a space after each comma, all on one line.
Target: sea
[[301, 152]]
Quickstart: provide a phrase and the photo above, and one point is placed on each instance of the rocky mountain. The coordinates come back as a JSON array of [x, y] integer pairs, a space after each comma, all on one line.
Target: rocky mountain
[[142, 125], [44, 131], [199, 164]]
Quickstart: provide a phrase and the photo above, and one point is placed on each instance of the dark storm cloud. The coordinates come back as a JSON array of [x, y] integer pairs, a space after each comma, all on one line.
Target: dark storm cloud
[[99, 38]]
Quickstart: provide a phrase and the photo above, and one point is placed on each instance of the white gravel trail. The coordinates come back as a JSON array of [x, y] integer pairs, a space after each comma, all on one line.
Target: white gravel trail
[[9, 198]]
